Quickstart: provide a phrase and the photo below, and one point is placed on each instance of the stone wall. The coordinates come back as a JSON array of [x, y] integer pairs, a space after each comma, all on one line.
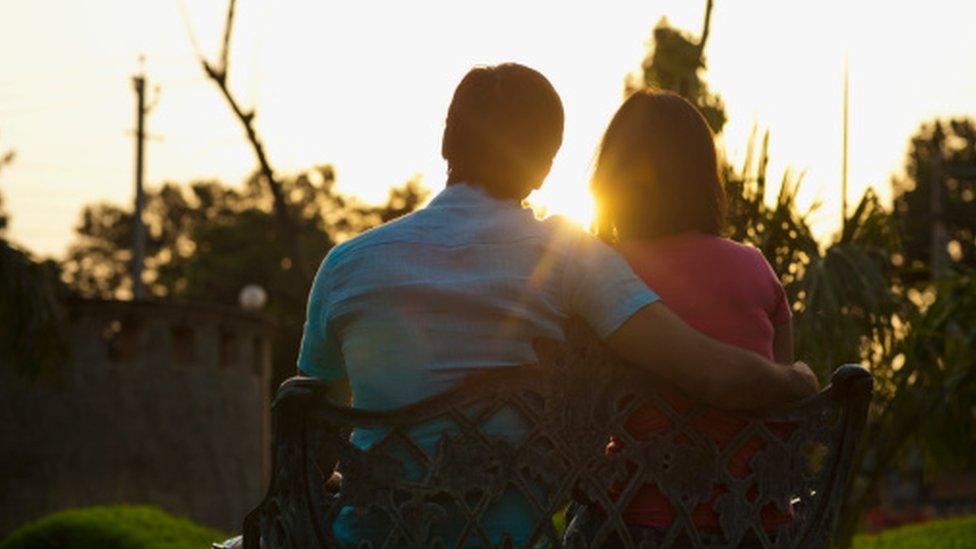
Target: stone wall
[[160, 404]]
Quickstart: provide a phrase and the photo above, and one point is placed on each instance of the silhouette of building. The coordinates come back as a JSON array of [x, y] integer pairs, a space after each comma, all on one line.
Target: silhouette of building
[[161, 403]]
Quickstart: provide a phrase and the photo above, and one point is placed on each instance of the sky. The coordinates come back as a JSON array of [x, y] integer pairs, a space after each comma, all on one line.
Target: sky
[[365, 86]]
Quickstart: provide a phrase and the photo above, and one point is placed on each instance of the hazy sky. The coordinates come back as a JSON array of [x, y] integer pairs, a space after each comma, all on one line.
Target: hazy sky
[[365, 86]]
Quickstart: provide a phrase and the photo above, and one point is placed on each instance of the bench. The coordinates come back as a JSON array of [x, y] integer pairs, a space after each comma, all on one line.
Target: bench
[[571, 403]]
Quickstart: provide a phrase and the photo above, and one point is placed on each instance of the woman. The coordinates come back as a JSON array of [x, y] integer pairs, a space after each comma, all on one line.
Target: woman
[[661, 202]]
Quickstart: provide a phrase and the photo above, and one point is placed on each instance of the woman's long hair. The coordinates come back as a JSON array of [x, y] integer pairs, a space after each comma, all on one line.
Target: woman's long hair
[[656, 171]]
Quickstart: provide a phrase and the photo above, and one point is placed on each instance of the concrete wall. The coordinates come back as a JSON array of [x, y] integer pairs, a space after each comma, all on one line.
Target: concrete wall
[[161, 404]]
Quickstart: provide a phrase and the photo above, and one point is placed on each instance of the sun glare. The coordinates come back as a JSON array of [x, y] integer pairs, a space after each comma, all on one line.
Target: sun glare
[[571, 201]]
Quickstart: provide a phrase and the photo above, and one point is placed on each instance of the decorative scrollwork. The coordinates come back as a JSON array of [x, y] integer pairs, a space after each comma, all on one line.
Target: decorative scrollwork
[[454, 492]]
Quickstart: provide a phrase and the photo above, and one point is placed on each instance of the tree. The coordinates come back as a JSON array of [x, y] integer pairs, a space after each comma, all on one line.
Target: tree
[[5, 159], [841, 295], [208, 241], [32, 326], [287, 226], [943, 149], [675, 61]]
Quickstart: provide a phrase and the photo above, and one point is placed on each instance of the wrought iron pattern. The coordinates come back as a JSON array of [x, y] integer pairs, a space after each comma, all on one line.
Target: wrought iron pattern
[[570, 403]]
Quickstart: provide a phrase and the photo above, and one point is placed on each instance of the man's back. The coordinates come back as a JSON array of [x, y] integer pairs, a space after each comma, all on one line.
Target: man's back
[[408, 309]]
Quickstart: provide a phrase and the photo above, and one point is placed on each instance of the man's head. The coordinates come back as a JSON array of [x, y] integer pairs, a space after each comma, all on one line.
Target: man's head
[[503, 129]]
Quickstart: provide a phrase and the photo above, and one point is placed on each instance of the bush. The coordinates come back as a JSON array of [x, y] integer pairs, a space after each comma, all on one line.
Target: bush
[[117, 527], [938, 534]]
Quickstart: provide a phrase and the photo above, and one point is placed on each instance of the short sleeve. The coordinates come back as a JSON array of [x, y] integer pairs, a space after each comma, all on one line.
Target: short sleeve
[[601, 287], [320, 354], [778, 306]]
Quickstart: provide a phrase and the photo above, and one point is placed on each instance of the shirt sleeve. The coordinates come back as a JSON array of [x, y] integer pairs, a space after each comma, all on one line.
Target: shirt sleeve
[[320, 354], [602, 288], [778, 307]]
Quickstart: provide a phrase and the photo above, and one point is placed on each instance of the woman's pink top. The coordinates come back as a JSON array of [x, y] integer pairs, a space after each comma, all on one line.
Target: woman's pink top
[[729, 292]]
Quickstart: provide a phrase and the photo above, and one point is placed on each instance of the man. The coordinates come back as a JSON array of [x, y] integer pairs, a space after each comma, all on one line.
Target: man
[[407, 310]]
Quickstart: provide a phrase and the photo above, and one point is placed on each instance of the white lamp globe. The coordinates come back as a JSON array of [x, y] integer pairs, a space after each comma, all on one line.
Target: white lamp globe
[[252, 297]]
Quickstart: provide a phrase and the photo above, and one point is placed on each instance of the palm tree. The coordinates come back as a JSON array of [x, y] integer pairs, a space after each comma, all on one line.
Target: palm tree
[[851, 303]]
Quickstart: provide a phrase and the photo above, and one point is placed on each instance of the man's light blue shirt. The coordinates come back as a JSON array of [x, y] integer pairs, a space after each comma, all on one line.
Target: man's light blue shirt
[[408, 309]]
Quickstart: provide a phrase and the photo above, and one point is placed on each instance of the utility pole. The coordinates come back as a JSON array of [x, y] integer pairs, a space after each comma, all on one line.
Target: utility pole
[[138, 228]]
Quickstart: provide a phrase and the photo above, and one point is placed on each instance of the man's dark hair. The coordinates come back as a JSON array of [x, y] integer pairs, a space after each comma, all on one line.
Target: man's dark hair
[[504, 126]]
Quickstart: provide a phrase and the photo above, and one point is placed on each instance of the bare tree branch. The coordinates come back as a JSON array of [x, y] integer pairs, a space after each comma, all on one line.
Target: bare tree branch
[[7, 158], [228, 26], [287, 227], [705, 29]]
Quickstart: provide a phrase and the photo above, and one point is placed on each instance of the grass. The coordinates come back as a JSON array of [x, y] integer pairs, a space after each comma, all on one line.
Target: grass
[[116, 527], [141, 527], [937, 534]]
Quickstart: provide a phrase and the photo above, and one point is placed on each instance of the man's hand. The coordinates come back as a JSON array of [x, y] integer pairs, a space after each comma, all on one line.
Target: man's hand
[[806, 375], [716, 373]]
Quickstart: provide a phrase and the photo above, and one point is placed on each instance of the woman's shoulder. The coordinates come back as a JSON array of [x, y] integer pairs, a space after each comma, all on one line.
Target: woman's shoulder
[[740, 248], [698, 247], [725, 252], [713, 243], [746, 254]]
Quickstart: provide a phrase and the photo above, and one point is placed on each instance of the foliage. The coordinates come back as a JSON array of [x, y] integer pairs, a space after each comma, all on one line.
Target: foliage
[[945, 338], [117, 527], [207, 242], [946, 146], [855, 301], [288, 226], [5, 159], [32, 320], [957, 533], [32, 336], [840, 294], [675, 60]]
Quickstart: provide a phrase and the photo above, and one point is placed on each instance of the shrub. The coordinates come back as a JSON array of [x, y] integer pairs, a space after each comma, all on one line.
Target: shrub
[[116, 527]]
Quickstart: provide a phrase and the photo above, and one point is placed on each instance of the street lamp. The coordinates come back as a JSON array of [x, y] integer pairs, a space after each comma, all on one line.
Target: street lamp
[[252, 297]]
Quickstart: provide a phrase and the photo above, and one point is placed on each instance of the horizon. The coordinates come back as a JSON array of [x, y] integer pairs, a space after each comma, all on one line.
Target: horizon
[[372, 103]]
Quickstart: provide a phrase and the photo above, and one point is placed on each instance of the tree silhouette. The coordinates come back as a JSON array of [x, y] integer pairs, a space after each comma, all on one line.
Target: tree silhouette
[[286, 225], [207, 242], [32, 322], [943, 149], [675, 61], [5, 159]]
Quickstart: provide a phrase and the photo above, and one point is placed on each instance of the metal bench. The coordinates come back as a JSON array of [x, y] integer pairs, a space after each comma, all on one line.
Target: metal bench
[[571, 403]]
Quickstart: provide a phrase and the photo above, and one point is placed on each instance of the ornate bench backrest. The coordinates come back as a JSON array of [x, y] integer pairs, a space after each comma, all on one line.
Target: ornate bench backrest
[[569, 405]]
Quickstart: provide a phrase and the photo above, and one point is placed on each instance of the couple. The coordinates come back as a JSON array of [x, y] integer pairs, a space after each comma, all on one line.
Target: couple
[[407, 310]]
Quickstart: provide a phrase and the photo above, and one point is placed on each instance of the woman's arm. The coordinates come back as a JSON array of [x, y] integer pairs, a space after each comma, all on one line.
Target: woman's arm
[[783, 342]]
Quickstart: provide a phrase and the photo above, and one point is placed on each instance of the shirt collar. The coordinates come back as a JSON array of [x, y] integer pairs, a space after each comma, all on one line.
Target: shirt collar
[[464, 194]]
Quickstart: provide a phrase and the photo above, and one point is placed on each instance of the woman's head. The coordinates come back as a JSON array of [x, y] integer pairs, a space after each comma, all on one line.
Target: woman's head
[[656, 171]]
